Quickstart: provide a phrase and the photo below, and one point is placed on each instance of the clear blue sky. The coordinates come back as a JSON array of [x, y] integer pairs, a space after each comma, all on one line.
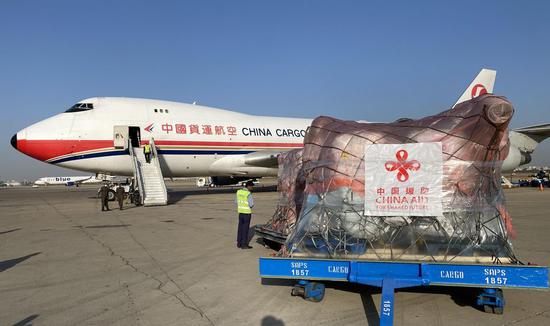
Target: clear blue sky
[[353, 60]]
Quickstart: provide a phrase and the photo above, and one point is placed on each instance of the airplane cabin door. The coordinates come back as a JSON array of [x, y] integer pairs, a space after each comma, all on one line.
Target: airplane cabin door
[[120, 137], [135, 136]]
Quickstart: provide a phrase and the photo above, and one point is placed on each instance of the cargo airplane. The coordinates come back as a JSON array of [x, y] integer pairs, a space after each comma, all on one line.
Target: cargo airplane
[[94, 134]]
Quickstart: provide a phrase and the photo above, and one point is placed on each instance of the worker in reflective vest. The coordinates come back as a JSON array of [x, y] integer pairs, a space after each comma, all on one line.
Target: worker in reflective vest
[[244, 208], [147, 152]]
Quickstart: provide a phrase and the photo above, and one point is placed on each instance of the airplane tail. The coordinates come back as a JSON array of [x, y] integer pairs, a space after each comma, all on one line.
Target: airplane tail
[[483, 83]]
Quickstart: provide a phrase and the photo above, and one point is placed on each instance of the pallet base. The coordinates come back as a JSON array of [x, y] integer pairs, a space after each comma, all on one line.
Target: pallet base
[[393, 256]]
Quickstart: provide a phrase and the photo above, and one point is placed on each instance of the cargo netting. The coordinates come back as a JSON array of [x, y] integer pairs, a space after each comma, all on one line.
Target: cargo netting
[[290, 186], [459, 215]]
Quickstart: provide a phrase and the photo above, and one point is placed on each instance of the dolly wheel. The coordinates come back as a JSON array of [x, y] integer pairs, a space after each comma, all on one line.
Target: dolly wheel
[[316, 292], [493, 309], [297, 291], [315, 299]]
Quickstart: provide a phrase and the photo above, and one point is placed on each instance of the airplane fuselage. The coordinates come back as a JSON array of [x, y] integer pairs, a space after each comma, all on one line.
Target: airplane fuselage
[[191, 140]]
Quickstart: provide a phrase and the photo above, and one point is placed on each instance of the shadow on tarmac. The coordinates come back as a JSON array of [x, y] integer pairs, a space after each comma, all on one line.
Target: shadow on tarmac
[[461, 296], [9, 231], [269, 244], [27, 321], [272, 321], [366, 293], [370, 308], [7, 264], [113, 206], [174, 196], [107, 226]]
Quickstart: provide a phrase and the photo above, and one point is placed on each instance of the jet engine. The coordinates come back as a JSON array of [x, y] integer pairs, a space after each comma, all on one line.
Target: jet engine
[[222, 181], [515, 158]]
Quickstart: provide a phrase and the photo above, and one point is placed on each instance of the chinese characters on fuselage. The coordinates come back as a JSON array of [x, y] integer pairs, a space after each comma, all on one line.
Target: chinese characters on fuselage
[[221, 130]]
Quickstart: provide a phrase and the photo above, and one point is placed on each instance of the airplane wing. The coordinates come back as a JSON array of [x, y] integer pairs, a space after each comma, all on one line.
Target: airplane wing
[[482, 84], [523, 142], [537, 132], [78, 182]]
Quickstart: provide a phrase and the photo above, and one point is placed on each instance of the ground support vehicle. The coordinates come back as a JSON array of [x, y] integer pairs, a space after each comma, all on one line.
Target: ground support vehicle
[[391, 275]]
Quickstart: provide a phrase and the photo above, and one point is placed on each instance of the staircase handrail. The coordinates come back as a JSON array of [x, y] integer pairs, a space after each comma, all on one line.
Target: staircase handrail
[[156, 162], [137, 173]]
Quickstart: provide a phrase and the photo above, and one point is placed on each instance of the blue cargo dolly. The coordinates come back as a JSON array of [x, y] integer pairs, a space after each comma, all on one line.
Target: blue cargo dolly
[[391, 275]]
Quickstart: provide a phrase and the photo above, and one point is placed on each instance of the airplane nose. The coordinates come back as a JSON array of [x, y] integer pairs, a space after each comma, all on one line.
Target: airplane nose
[[13, 141]]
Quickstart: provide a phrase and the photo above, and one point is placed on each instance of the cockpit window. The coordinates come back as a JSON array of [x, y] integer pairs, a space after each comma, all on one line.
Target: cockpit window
[[79, 107]]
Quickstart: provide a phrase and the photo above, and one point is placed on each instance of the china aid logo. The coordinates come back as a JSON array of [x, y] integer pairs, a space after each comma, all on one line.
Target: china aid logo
[[402, 165]]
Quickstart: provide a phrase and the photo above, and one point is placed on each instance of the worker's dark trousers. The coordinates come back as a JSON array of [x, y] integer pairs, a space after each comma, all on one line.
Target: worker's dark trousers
[[148, 157], [104, 204], [242, 234]]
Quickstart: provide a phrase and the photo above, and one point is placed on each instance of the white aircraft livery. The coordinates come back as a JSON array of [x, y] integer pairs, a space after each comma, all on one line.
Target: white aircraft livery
[[194, 140], [68, 181], [191, 140]]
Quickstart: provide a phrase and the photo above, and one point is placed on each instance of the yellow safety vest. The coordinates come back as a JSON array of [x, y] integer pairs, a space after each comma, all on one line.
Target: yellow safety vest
[[147, 148], [242, 201]]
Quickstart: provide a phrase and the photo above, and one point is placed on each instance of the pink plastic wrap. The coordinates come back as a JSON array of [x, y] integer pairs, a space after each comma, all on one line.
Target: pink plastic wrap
[[472, 223]]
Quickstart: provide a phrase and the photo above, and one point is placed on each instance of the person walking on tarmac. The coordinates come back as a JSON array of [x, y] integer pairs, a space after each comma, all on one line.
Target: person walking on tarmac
[[147, 152], [119, 193], [245, 203], [104, 195]]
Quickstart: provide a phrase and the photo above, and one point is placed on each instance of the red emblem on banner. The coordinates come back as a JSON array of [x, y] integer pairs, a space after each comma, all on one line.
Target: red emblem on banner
[[402, 165]]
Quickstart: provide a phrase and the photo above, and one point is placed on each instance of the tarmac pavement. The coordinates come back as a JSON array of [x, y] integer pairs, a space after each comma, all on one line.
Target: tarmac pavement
[[64, 262]]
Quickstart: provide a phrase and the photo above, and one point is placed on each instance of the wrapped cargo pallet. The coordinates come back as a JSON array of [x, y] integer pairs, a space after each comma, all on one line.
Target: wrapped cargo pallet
[[290, 186], [426, 189]]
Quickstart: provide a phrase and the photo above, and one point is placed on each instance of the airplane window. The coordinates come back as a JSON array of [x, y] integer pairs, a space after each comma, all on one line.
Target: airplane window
[[161, 110], [166, 110], [156, 110], [79, 107]]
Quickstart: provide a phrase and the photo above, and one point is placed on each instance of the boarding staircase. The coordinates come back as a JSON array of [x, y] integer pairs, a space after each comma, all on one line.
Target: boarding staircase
[[148, 176]]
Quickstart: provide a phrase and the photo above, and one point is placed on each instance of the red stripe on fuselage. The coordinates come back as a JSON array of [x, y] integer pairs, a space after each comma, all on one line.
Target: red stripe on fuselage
[[47, 149]]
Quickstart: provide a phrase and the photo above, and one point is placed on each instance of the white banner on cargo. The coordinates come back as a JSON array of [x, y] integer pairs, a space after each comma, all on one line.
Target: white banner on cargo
[[403, 179]]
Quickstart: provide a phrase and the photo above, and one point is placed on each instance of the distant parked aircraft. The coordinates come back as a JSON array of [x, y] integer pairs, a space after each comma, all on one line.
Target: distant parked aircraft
[[68, 181], [12, 183]]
